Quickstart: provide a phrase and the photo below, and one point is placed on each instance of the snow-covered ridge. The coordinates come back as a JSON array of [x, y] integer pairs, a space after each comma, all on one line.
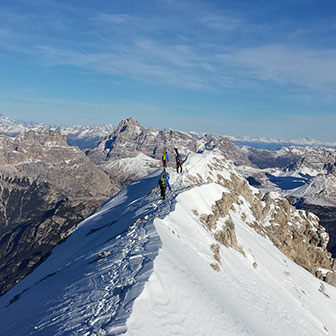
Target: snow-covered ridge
[[198, 263]]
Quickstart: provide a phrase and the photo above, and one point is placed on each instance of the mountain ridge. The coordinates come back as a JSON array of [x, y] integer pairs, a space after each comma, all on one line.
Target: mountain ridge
[[193, 263]]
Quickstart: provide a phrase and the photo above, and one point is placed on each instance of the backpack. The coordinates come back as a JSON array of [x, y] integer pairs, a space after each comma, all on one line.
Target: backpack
[[179, 158], [162, 181]]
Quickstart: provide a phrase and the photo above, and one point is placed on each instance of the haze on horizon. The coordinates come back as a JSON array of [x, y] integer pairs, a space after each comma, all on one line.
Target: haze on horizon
[[260, 68]]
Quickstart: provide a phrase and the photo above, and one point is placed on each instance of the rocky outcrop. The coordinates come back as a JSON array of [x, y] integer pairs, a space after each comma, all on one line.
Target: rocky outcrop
[[121, 143], [327, 216], [306, 176], [293, 158], [264, 158], [296, 233], [46, 188], [131, 137], [229, 150]]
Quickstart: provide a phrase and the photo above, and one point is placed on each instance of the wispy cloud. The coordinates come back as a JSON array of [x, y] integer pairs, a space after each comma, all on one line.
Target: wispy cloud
[[223, 23], [188, 46], [145, 61], [308, 68]]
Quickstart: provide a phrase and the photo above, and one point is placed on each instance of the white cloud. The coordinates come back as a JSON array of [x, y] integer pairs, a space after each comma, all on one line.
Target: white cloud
[[146, 60], [311, 69]]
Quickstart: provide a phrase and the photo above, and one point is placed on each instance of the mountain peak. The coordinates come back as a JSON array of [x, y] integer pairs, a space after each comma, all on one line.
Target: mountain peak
[[43, 136], [129, 122]]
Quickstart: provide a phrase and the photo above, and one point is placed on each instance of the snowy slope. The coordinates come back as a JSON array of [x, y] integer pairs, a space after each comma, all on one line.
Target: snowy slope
[[86, 136], [133, 167], [183, 297], [144, 267], [321, 190]]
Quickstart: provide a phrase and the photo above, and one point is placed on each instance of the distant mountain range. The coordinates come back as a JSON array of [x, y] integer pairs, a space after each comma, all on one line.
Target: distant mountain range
[[89, 136], [77, 135], [275, 144]]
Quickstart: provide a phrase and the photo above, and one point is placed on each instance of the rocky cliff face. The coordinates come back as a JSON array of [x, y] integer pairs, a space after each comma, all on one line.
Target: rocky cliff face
[[131, 138], [264, 158], [296, 233], [46, 188]]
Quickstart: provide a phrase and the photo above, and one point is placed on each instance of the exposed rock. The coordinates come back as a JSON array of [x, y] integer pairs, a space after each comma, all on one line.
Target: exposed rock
[[229, 150], [46, 188], [327, 217], [215, 249], [264, 158], [130, 138], [227, 235], [223, 233], [296, 233], [331, 278]]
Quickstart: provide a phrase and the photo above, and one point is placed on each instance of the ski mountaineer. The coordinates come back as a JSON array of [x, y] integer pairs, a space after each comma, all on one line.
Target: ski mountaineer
[[164, 183], [165, 158], [179, 161]]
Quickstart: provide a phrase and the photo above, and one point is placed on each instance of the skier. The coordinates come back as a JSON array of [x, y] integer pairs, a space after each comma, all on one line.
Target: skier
[[178, 159], [165, 158], [164, 183]]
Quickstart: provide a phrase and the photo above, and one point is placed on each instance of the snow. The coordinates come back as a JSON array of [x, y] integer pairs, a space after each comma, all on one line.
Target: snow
[[184, 296], [263, 142], [140, 165], [321, 190], [140, 266]]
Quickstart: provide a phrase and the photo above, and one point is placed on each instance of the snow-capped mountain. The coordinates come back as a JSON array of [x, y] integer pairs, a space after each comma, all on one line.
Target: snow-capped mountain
[[13, 127], [276, 144], [206, 261], [321, 190], [130, 138], [128, 170], [86, 136], [78, 135]]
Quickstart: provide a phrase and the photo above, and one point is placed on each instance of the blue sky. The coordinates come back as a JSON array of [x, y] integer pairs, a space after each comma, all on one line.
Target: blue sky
[[244, 68]]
